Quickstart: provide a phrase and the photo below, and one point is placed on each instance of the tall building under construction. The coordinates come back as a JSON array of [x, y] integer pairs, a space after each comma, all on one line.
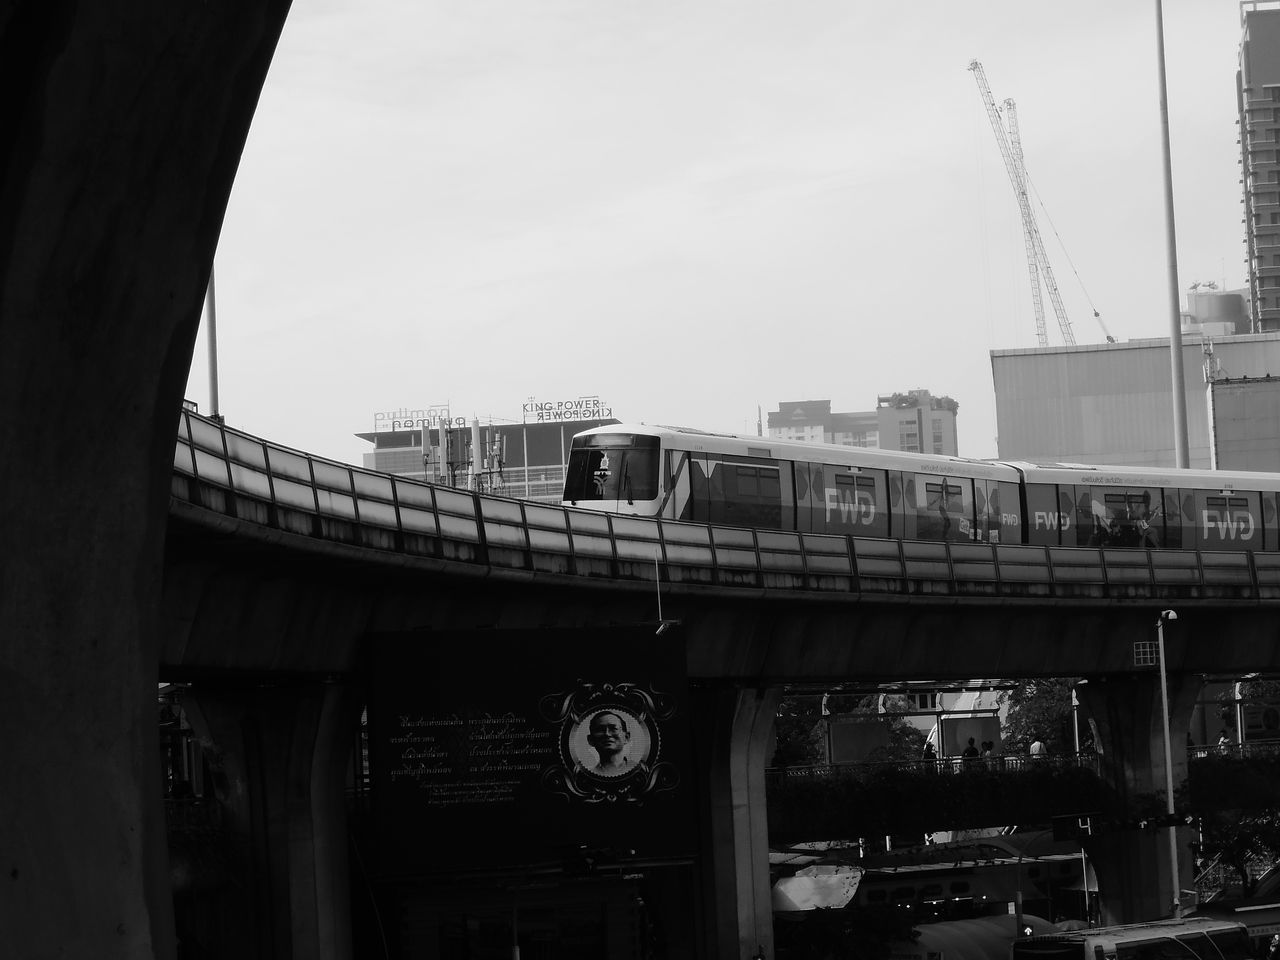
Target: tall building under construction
[[1258, 100]]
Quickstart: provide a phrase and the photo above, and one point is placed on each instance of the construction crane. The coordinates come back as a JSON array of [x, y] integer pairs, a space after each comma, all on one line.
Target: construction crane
[[1037, 260]]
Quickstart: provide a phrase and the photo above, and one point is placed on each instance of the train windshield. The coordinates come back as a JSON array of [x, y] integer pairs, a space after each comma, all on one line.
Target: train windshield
[[612, 466]]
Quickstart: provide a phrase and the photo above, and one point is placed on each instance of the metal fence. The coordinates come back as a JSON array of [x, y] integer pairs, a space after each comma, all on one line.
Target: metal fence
[[242, 476]]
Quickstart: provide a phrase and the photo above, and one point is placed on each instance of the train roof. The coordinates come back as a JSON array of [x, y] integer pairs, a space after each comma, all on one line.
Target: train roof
[[1113, 476], [1065, 473], [774, 447]]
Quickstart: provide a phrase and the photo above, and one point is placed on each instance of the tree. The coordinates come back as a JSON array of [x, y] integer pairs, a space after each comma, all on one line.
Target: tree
[[801, 726], [1040, 708], [1241, 839], [799, 733]]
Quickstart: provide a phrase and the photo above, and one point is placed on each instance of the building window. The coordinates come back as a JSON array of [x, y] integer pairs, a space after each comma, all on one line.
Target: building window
[[923, 701], [908, 436]]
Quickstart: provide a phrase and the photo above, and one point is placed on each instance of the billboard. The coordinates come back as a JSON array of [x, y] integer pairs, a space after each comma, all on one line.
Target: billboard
[[516, 746]]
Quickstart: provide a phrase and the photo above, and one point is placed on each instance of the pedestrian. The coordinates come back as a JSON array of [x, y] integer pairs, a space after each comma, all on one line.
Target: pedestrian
[[970, 752], [1037, 749], [1224, 742]]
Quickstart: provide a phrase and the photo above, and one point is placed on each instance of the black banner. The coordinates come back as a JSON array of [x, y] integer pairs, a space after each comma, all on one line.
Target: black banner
[[511, 746]]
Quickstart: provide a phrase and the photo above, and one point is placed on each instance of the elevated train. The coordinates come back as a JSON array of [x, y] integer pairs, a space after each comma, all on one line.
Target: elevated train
[[683, 474]]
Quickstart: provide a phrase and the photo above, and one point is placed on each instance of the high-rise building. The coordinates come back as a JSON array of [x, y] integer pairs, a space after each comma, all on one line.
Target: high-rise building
[[812, 421], [916, 421], [1258, 103]]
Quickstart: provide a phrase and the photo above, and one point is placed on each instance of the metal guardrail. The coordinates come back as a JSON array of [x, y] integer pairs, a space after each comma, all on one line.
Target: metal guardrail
[[236, 474]]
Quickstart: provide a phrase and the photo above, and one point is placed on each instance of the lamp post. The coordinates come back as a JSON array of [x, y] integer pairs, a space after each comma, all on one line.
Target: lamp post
[[1168, 761], [1180, 444]]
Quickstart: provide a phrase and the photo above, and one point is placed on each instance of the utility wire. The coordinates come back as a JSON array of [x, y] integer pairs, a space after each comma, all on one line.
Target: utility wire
[[1061, 246]]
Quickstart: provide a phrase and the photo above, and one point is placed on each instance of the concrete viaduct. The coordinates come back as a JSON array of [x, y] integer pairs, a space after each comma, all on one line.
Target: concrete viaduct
[[121, 565]]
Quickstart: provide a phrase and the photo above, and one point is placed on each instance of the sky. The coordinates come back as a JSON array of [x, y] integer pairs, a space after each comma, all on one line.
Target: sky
[[696, 210]]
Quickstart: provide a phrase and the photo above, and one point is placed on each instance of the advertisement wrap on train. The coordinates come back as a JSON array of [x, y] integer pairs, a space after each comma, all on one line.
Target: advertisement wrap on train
[[763, 482]]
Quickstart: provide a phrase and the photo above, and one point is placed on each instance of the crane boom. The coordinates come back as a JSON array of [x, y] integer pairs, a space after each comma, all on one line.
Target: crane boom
[[1037, 260], [1019, 176], [1030, 227]]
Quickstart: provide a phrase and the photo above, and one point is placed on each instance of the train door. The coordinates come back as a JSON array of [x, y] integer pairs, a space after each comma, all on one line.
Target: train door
[[1228, 520], [700, 470], [808, 492], [1051, 515], [943, 507], [902, 505], [1271, 537], [677, 503], [1179, 522], [998, 512]]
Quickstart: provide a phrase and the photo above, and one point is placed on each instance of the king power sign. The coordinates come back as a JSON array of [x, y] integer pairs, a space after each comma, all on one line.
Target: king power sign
[[554, 411]]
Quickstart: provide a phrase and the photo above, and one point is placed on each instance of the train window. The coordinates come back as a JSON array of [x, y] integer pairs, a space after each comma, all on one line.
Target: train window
[[622, 468], [1165, 948], [747, 495], [1232, 944], [1228, 520], [852, 504], [1198, 944], [1046, 520], [1132, 517]]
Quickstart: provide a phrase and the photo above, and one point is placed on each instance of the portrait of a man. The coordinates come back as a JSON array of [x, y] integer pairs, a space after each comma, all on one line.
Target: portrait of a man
[[614, 743]]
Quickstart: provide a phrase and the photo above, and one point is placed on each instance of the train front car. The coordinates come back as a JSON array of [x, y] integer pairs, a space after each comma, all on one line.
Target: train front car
[[614, 469]]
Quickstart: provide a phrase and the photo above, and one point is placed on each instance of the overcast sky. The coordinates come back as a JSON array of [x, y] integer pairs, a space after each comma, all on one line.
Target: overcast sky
[[693, 209]]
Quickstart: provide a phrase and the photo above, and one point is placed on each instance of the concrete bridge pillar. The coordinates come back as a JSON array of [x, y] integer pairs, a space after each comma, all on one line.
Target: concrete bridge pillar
[[732, 728], [125, 124], [1133, 866], [282, 759]]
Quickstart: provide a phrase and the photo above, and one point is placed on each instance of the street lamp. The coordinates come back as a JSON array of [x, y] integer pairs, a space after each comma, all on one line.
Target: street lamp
[[1168, 761]]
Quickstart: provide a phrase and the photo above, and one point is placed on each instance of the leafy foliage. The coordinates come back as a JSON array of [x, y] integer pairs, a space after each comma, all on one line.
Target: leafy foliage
[[1040, 708], [799, 732], [1238, 837], [800, 727]]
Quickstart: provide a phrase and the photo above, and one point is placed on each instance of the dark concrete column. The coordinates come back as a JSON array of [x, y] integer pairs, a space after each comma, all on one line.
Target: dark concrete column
[[732, 729], [282, 756], [1133, 867], [125, 123]]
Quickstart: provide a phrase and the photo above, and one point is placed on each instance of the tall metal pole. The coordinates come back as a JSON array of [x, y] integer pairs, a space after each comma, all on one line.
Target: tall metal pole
[[211, 310], [1180, 444], [1168, 766]]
